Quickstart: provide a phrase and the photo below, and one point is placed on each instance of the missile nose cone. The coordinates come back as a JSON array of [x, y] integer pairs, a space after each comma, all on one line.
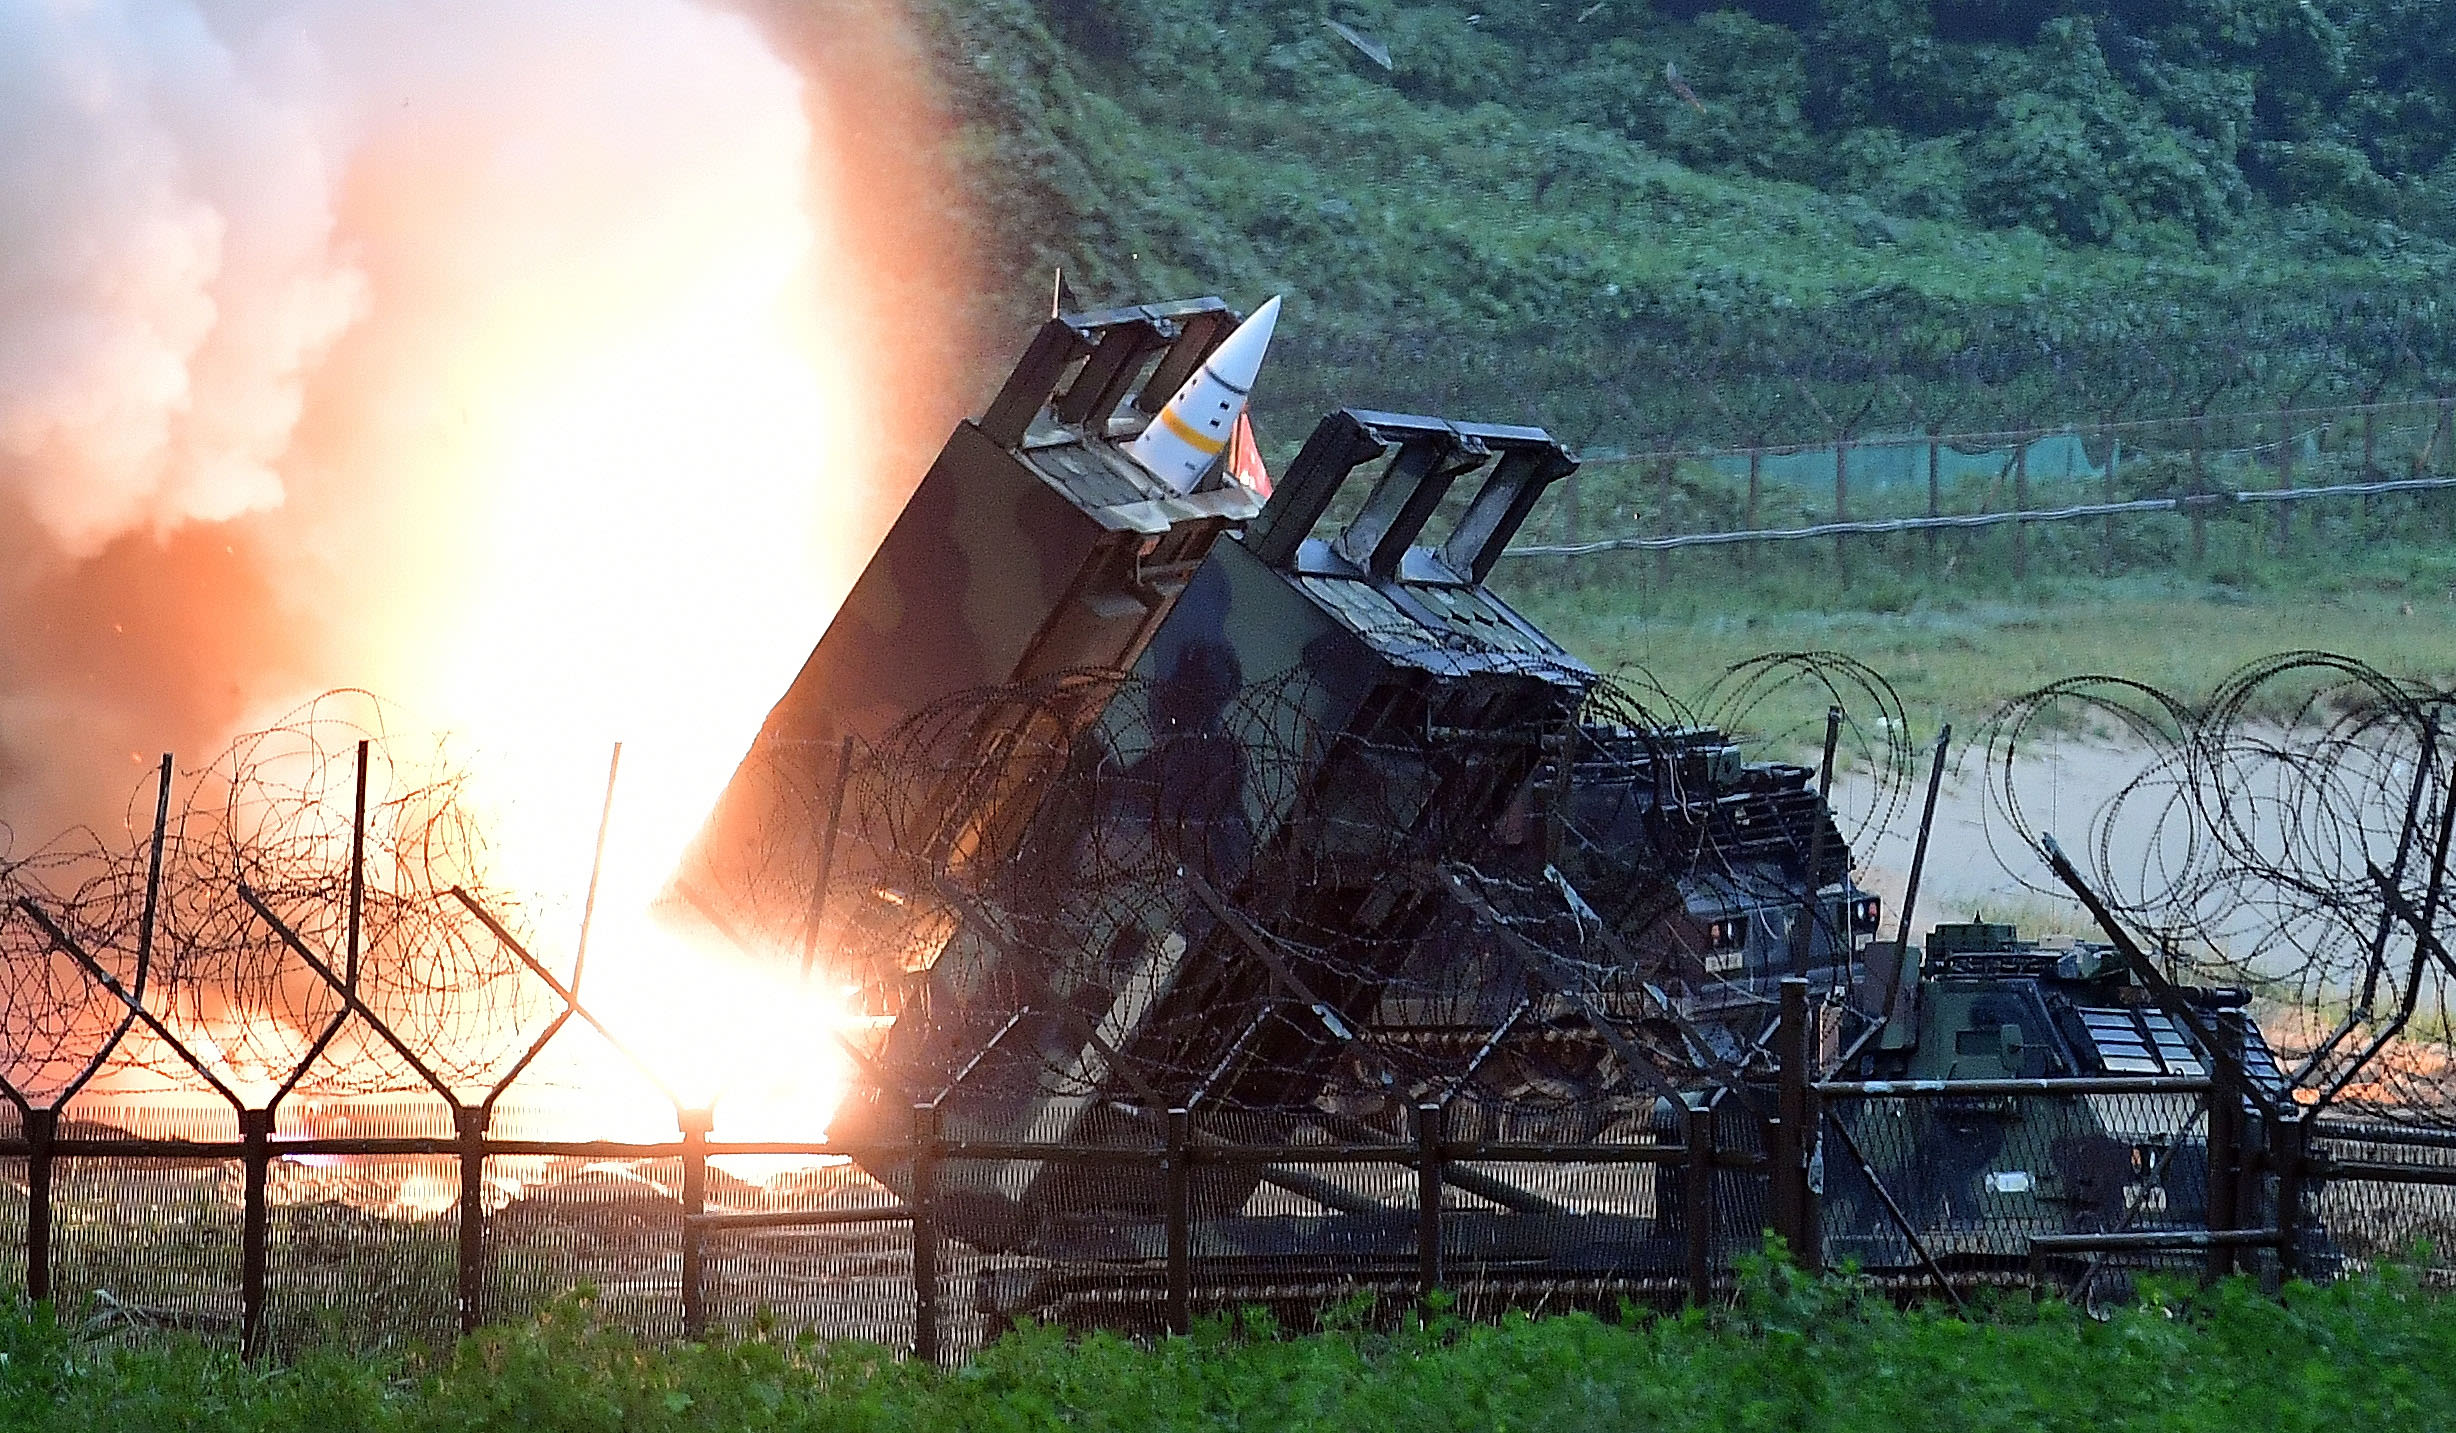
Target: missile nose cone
[[1191, 429], [1239, 356]]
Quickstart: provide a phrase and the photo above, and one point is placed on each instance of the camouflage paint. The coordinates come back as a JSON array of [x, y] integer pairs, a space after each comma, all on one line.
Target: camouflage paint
[[1344, 657], [1032, 546]]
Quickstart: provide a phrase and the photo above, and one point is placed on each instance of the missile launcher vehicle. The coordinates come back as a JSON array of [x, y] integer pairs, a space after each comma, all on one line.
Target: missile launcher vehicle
[[1689, 868], [1119, 792], [1702, 861]]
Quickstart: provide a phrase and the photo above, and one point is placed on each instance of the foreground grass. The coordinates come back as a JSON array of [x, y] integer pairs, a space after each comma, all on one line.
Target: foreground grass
[[1796, 1354]]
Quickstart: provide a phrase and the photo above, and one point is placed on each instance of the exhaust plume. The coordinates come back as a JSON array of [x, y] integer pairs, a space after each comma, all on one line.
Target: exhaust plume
[[534, 364]]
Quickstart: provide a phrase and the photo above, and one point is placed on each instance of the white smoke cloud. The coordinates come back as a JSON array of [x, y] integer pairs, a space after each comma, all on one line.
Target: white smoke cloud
[[176, 258], [168, 268], [524, 360]]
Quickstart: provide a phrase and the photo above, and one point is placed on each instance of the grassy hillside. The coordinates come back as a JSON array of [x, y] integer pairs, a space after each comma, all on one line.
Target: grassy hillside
[[1640, 224], [1632, 222], [1960, 656]]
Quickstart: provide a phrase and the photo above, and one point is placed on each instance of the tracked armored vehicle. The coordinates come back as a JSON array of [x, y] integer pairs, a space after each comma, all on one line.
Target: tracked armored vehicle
[[2000, 1157], [1146, 818]]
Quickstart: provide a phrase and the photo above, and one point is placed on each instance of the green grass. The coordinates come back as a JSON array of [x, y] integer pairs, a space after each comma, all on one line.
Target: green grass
[[2375, 1351], [1957, 647], [1513, 239]]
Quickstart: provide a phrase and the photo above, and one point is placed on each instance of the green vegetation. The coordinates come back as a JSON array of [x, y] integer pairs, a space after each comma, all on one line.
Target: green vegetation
[[1958, 645], [1634, 222], [2373, 1351], [1669, 223], [1646, 224]]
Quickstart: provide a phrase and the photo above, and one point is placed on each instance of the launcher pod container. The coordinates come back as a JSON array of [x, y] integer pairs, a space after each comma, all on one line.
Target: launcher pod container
[[1033, 547], [1209, 907]]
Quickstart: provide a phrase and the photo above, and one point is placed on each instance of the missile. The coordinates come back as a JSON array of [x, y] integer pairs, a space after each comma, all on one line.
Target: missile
[[1189, 431]]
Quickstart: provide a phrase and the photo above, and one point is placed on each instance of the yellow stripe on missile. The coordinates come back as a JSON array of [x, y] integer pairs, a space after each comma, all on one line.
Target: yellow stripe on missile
[[1202, 443]]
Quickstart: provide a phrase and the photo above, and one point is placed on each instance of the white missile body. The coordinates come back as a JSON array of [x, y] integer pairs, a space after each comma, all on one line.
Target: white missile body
[[1187, 434]]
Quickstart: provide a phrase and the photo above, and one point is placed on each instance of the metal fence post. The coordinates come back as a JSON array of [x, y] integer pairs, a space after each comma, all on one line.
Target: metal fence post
[[1428, 1197], [469, 1123], [1180, 1223], [2021, 503], [1790, 1145], [2225, 1132], [2285, 476], [2289, 1151], [924, 1233], [1573, 516], [2200, 487], [695, 1126], [2442, 430], [1756, 478], [2225, 1147], [1935, 493], [1812, 1179], [255, 1162], [2366, 513], [41, 1127], [1842, 509], [2114, 465], [1697, 1200], [1669, 490]]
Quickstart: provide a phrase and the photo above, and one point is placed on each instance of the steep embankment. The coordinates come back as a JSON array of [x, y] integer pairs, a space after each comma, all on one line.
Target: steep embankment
[[1640, 223], [1630, 222]]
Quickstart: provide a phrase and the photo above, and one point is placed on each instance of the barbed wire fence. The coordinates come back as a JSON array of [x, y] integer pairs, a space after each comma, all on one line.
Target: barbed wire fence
[[2288, 833], [1408, 1023]]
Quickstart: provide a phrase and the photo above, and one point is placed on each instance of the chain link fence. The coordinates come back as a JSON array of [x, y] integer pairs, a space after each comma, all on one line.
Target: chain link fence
[[2093, 496]]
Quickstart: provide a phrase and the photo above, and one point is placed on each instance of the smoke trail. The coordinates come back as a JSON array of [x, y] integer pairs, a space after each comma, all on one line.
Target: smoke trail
[[515, 359]]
